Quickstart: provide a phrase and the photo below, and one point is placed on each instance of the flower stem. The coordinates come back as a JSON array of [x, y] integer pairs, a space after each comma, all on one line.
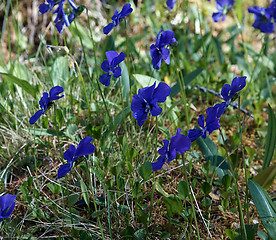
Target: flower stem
[[191, 198], [183, 95]]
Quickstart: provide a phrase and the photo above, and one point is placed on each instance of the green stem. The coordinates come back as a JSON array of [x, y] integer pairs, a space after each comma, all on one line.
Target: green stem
[[95, 60], [93, 198], [191, 198], [153, 175], [183, 91]]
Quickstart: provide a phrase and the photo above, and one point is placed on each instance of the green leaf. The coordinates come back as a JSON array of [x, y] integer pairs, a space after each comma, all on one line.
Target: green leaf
[[46, 132], [210, 152], [266, 177], [265, 207], [140, 234], [145, 171], [84, 193], [160, 189], [206, 188], [173, 204], [183, 191], [165, 235], [27, 87], [144, 80], [270, 140], [60, 71], [187, 80], [125, 81], [219, 50], [231, 234]]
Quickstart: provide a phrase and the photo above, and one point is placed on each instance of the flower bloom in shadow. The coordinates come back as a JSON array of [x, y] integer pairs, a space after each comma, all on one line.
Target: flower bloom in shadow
[[7, 206], [85, 147], [110, 66], [170, 4], [229, 93], [179, 144], [61, 18], [160, 50], [264, 17], [223, 6], [46, 101], [126, 10], [212, 123], [147, 100]]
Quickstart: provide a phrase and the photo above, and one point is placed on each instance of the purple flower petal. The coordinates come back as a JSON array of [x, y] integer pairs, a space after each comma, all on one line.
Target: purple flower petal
[[69, 154], [85, 147], [63, 170], [35, 117], [105, 79]]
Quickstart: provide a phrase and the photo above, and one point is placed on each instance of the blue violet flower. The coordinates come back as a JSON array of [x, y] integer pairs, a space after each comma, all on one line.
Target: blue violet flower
[[126, 10], [264, 17], [170, 4], [212, 124], [61, 18], [46, 101], [223, 6], [147, 100], [229, 93], [85, 147], [7, 205], [161, 49], [110, 66], [179, 144]]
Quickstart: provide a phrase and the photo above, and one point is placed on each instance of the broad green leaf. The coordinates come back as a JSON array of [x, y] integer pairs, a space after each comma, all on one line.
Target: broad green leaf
[[145, 81], [60, 71], [84, 193], [27, 87], [46, 132], [187, 80], [270, 140], [173, 204], [210, 152], [183, 191], [265, 207], [266, 177], [145, 171], [125, 81], [160, 189]]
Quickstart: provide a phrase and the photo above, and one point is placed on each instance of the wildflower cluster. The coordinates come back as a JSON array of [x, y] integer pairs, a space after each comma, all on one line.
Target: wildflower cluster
[[229, 94], [62, 18], [265, 18]]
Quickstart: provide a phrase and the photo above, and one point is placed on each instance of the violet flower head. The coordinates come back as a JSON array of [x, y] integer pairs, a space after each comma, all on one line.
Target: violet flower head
[[147, 101], [161, 49], [7, 205], [264, 17], [85, 147], [46, 101], [62, 18], [223, 6], [229, 93], [110, 66], [126, 10], [179, 144], [170, 4], [212, 124]]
